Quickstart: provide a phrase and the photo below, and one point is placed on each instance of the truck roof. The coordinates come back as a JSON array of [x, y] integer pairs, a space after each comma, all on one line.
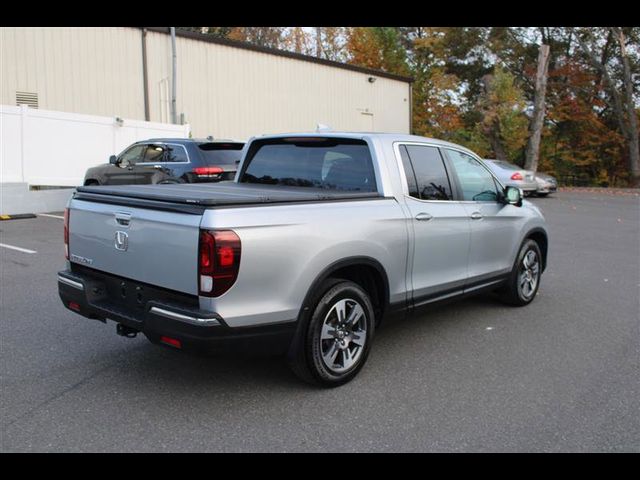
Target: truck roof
[[385, 137]]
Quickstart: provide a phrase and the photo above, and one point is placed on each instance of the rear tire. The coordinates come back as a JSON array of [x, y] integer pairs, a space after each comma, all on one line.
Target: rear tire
[[524, 280], [334, 338]]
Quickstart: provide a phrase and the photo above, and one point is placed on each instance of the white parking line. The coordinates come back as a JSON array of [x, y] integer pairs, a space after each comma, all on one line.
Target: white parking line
[[24, 250], [50, 216]]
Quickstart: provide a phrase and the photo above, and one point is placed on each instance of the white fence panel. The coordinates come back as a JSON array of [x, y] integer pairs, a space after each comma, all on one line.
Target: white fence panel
[[49, 148], [10, 145]]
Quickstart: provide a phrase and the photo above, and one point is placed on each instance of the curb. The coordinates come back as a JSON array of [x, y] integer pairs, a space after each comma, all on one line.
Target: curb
[[17, 217]]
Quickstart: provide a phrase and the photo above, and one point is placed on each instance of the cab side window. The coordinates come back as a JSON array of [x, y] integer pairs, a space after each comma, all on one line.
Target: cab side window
[[426, 174], [476, 182], [132, 156]]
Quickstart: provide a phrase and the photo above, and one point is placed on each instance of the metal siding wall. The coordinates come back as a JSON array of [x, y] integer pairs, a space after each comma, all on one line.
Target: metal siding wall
[[82, 70], [234, 93], [224, 91]]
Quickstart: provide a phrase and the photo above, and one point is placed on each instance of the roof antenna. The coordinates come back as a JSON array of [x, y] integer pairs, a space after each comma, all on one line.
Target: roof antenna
[[323, 128]]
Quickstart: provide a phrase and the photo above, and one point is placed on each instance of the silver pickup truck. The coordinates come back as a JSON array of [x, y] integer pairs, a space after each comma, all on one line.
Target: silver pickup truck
[[319, 237]]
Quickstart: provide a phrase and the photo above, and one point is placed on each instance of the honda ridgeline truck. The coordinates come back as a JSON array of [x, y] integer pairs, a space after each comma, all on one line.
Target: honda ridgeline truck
[[319, 237]]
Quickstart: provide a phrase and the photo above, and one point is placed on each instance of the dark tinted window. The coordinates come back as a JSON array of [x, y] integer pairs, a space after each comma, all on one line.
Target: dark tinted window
[[430, 173], [409, 173], [176, 153], [221, 153], [336, 164]]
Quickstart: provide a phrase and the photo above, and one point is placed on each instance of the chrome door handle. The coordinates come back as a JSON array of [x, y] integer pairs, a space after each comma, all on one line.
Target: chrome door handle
[[423, 216], [476, 216]]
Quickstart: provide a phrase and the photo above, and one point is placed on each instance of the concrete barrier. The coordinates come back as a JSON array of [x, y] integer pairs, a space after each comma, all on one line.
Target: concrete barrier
[[16, 198]]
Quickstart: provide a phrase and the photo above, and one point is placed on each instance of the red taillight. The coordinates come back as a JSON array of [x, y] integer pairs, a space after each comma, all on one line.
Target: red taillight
[[74, 306], [219, 261], [66, 233], [516, 176], [174, 342], [206, 171]]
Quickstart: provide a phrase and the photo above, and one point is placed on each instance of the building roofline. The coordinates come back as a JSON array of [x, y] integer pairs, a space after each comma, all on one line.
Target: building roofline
[[281, 53]]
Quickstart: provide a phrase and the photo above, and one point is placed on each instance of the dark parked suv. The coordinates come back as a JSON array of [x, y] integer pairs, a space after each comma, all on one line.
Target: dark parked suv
[[169, 160]]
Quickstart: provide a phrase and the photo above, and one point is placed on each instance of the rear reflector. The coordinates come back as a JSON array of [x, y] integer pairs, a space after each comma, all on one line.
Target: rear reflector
[[74, 306], [174, 342]]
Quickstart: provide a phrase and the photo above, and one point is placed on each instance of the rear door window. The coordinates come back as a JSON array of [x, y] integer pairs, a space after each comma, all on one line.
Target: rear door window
[[426, 174], [317, 162], [176, 153]]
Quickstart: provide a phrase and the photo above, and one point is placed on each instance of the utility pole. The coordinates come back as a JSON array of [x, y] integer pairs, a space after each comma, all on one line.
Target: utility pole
[[174, 115], [318, 42]]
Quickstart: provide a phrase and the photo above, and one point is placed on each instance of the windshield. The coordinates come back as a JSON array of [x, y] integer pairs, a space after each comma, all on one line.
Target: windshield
[[221, 153], [329, 163]]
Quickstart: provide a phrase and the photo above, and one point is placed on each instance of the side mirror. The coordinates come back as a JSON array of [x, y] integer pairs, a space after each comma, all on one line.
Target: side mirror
[[512, 196], [113, 159]]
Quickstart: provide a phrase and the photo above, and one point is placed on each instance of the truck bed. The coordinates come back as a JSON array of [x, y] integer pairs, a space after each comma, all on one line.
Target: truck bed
[[197, 197]]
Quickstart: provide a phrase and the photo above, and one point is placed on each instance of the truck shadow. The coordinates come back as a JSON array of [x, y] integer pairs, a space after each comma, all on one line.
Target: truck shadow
[[183, 372]]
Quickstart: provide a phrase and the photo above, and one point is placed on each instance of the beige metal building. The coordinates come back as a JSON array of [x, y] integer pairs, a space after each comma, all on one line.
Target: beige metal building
[[225, 89]]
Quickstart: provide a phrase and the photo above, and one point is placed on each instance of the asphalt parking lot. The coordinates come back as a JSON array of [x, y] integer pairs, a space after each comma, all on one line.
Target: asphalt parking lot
[[562, 374]]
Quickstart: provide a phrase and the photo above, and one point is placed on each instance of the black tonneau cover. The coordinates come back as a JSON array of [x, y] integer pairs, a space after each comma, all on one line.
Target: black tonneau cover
[[214, 194]]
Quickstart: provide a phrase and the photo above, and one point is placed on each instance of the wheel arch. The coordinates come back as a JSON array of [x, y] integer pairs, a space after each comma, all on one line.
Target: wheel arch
[[365, 271], [540, 236]]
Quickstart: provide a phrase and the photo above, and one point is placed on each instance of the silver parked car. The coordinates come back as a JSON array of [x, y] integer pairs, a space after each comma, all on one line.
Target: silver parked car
[[546, 184], [320, 237], [510, 174]]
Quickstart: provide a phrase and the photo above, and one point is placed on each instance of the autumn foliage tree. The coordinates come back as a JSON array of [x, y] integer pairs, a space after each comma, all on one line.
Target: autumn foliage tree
[[476, 86]]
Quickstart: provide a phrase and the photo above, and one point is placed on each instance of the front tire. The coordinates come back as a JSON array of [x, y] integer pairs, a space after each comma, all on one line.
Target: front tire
[[332, 344], [523, 282]]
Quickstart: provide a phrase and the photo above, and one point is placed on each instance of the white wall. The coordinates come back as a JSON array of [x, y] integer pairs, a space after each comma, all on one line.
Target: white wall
[[43, 147]]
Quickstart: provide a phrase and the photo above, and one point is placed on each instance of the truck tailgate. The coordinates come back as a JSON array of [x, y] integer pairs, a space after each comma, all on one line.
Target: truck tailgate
[[151, 246]]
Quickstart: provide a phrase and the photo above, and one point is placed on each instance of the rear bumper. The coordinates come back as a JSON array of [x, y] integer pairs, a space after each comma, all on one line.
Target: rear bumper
[[160, 314], [524, 186], [547, 188]]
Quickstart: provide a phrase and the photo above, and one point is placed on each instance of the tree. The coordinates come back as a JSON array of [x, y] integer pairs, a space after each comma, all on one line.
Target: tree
[[378, 48], [535, 131], [503, 122], [270, 37], [623, 105]]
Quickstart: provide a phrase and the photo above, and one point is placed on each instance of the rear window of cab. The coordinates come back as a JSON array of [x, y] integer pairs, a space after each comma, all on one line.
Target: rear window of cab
[[316, 162]]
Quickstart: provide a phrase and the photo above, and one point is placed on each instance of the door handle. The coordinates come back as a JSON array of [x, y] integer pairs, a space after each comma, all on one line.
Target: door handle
[[424, 216], [157, 167], [476, 216]]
